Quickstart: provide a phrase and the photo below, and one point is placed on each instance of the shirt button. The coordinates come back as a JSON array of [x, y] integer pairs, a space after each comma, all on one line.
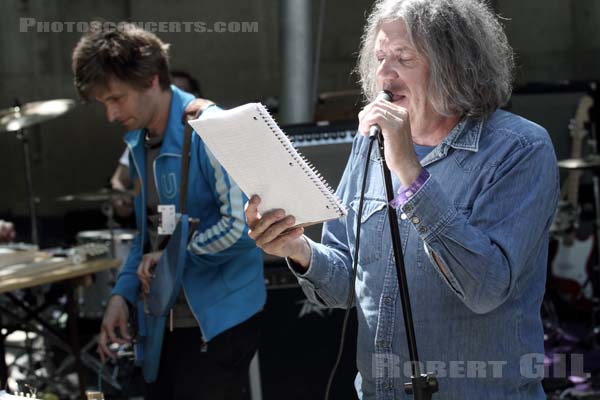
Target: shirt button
[[387, 300], [403, 216], [407, 208], [408, 193], [415, 220], [388, 386], [422, 229], [382, 343]]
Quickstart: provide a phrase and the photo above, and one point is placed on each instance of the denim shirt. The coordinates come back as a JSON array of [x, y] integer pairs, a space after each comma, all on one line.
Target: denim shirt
[[484, 212]]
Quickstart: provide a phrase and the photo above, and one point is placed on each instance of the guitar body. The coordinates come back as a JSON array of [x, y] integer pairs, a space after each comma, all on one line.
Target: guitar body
[[571, 257], [153, 310], [168, 274], [570, 270]]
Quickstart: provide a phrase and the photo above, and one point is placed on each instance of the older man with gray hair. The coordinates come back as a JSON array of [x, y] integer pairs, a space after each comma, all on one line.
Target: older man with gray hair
[[476, 192]]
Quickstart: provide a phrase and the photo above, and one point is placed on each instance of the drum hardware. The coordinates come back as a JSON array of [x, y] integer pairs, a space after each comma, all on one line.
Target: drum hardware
[[98, 196], [591, 162], [83, 252], [89, 358], [17, 119], [29, 315], [92, 299], [109, 211], [106, 197]]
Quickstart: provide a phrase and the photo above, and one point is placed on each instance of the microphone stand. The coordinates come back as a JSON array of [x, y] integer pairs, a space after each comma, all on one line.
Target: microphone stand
[[422, 385]]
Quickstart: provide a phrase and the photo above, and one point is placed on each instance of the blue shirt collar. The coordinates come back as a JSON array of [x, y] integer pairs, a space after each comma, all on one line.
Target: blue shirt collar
[[465, 135]]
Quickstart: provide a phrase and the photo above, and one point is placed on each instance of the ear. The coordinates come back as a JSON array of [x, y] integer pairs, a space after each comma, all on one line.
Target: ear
[[155, 83]]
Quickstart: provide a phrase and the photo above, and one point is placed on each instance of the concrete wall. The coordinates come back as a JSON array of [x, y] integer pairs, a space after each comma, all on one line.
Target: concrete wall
[[78, 151], [554, 39]]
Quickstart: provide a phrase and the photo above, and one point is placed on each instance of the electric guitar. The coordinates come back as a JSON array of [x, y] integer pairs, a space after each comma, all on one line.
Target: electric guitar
[[572, 258], [153, 310]]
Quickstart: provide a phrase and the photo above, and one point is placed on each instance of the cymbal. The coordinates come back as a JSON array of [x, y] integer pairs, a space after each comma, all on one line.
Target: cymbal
[[589, 162], [13, 119], [97, 196]]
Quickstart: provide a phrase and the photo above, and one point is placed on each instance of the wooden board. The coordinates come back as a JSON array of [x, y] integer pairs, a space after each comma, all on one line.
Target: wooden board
[[19, 257], [21, 276]]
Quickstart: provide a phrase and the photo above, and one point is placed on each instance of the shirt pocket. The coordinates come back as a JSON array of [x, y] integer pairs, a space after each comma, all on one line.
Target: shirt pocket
[[372, 224], [423, 260]]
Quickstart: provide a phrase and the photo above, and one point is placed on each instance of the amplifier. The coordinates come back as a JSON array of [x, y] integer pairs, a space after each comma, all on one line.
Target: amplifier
[[327, 146], [298, 346], [321, 133]]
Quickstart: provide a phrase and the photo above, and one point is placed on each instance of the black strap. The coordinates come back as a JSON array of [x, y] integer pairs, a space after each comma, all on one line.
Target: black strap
[[185, 167], [190, 113], [185, 164]]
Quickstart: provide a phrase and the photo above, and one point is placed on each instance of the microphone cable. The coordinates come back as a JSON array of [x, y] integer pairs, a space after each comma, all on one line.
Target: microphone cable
[[352, 290]]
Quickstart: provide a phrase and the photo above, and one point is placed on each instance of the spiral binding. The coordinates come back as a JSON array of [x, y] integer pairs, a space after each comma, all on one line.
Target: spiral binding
[[306, 166]]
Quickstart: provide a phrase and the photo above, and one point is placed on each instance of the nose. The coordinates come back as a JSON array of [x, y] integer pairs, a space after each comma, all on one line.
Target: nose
[[112, 112], [386, 70]]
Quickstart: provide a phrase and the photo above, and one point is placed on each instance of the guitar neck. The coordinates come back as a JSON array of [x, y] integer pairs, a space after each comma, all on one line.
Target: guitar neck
[[578, 132], [575, 175]]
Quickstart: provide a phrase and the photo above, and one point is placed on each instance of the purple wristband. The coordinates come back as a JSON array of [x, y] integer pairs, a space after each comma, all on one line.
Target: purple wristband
[[406, 192]]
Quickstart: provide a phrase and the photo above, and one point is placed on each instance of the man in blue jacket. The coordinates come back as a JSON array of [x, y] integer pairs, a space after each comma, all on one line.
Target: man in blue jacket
[[212, 332]]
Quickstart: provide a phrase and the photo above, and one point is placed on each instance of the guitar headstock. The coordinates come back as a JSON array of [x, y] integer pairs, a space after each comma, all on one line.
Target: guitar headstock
[[578, 130], [582, 117]]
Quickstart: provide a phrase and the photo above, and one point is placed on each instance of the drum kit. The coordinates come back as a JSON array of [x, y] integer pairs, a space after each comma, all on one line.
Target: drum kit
[[91, 298], [18, 120]]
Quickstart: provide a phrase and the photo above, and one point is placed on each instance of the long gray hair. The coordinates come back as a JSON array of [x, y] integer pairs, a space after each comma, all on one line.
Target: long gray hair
[[470, 60]]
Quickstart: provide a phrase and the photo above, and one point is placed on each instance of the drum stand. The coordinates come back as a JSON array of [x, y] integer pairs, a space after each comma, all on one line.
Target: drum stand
[[23, 136], [109, 211]]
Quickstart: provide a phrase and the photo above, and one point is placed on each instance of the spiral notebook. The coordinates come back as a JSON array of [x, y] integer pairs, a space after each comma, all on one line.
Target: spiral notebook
[[260, 158]]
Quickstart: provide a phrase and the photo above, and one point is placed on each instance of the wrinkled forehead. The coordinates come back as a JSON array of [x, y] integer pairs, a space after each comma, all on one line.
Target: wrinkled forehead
[[393, 37]]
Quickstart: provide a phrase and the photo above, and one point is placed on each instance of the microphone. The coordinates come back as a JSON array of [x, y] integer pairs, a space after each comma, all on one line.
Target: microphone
[[375, 130]]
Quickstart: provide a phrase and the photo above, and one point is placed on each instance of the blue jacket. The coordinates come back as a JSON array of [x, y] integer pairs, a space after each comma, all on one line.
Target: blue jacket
[[223, 279]]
